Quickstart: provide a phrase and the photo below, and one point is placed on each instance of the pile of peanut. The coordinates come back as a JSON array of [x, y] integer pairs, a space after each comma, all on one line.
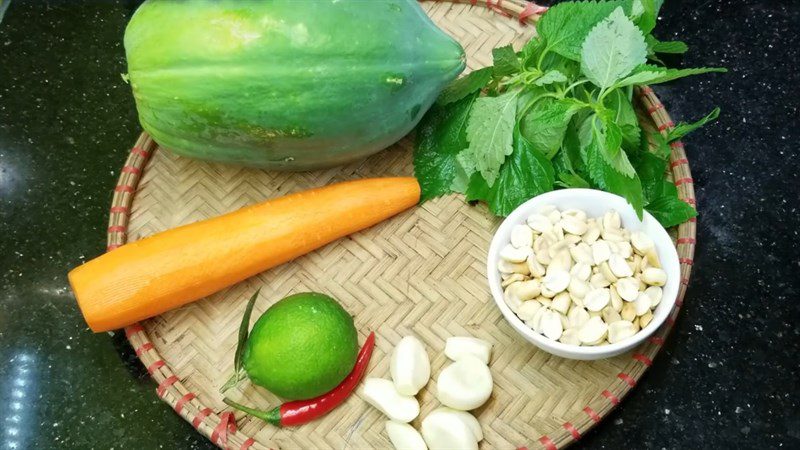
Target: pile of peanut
[[581, 280]]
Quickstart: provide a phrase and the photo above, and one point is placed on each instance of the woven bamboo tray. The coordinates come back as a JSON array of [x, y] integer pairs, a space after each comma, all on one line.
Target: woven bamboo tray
[[420, 273]]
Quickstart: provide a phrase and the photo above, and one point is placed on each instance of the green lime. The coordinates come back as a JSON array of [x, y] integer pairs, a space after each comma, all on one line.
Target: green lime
[[301, 347]]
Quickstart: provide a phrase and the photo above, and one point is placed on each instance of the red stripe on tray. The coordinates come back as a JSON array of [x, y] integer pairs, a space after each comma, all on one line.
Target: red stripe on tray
[[182, 401], [246, 444], [118, 209], [123, 188], [693, 220], [522, 448], [627, 379], [169, 381], [155, 366], [688, 261], [654, 108], [226, 424], [685, 281], [572, 430], [592, 415], [198, 419], [143, 348], [548, 444], [117, 229], [611, 397], [646, 90], [678, 162], [679, 302], [131, 169], [657, 340], [531, 9], [690, 201], [666, 125], [671, 321], [676, 144], [133, 329], [643, 359], [140, 151], [686, 240], [681, 181]]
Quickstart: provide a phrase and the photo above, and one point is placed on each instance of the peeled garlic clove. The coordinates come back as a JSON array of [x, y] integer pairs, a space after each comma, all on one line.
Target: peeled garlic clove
[[556, 280], [383, 395], [570, 336], [515, 255], [447, 432], [521, 236], [655, 293], [539, 223], [465, 384], [410, 367], [551, 325], [577, 317], [457, 347], [628, 288], [619, 330], [619, 267], [600, 251], [469, 420], [593, 331], [404, 437], [642, 303], [597, 299], [561, 303], [654, 276]]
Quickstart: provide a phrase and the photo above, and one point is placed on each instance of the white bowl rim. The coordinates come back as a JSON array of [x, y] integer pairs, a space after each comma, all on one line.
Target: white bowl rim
[[670, 290]]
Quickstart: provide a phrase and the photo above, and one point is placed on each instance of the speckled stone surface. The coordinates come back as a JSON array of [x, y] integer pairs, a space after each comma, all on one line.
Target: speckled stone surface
[[728, 376]]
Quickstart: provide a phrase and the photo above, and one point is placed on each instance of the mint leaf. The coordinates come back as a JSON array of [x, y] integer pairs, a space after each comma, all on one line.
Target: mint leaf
[[489, 132], [545, 123], [671, 211], [506, 61], [672, 47], [464, 86], [649, 74], [441, 136], [625, 117], [565, 26], [613, 49], [550, 77], [531, 50], [606, 137], [683, 128], [524, 175]]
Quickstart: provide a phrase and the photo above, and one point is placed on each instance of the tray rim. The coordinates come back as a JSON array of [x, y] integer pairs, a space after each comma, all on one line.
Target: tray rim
[[221, 428]]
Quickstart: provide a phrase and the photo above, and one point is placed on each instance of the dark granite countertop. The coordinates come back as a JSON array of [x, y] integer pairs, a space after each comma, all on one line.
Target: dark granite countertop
[[728, 375]]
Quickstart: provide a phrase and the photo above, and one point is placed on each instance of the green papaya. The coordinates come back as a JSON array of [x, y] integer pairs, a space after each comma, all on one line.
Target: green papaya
[[285, 84]]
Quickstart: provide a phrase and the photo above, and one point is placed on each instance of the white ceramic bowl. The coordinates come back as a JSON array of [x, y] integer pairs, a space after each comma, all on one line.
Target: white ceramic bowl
[[595, 203]]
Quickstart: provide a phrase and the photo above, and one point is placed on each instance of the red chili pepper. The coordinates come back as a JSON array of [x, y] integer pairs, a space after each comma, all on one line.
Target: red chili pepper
[[303, 411]]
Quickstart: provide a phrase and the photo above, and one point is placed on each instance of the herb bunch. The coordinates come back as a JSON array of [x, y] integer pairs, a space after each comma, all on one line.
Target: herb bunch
[[558, 113]]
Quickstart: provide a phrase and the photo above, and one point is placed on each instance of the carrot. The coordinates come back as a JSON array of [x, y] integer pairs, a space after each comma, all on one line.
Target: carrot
[[172, 268]]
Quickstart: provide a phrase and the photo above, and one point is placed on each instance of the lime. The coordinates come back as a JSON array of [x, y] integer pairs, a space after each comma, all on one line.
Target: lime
[[301, 347]]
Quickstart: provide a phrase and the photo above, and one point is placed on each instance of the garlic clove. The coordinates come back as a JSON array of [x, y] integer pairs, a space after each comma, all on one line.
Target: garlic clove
[[404, 437], [410, 366], [457, 347], [382, 394], [465, 384], [468, 419], [447, 432]]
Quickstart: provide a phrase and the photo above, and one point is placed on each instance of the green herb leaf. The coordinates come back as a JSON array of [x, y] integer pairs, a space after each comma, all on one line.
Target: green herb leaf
[[506, 61], [524, 175], [683, 128], [671, 211], [649, 74], [571, 180], [565, 26], [613, 49], [625, 117], [550, 77], [244, 331], [650, 169], [531, 50], [606, 137], [657, 144], [603, 174], [545, 123], [672, 47], [646, 19], [489, 132], [441, 136], [464, 86]]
